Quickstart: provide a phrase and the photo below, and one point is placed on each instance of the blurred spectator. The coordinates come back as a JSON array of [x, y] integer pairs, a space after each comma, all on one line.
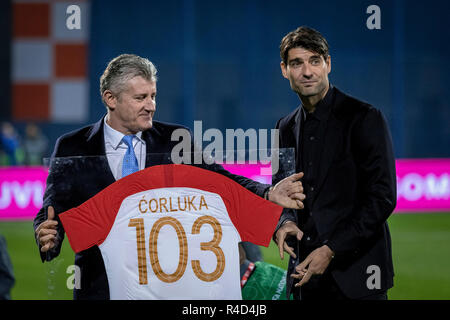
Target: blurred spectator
[[35, 145], [10, 143], [6, 272]]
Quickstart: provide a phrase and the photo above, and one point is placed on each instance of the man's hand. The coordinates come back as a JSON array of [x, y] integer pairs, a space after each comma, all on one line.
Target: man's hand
[[46, 231], [288, 193], [315, 263], [287, 229]]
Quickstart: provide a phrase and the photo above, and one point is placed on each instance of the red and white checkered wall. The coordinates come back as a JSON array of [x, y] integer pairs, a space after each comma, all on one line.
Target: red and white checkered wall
[[49, 62]]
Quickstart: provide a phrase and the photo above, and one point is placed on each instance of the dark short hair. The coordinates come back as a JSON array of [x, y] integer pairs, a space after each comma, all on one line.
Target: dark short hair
[[306, 38]]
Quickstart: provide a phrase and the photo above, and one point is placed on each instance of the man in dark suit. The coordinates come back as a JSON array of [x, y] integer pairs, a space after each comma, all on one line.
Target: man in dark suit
[[339, 244], [127, 133]]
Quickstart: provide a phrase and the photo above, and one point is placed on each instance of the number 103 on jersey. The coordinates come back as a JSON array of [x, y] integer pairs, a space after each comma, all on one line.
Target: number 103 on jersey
[[212, 245]]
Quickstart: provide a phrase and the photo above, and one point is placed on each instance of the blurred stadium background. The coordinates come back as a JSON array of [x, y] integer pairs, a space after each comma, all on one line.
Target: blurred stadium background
[[218, 61]]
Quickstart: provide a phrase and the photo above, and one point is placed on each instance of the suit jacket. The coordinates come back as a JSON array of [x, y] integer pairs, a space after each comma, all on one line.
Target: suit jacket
[[354, 194], [72, 181]]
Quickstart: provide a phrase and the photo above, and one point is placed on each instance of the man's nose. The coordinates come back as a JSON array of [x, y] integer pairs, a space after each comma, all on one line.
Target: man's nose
[[307, 70], [150, 105]]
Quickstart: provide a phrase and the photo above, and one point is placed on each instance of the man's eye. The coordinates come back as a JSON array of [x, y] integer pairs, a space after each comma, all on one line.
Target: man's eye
[[315, 62]]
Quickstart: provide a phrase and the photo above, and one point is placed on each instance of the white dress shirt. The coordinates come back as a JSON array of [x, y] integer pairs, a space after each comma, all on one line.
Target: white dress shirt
[[115, 149]]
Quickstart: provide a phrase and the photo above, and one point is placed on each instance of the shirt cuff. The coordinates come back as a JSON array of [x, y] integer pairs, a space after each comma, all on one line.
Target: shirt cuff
[[330, 245]]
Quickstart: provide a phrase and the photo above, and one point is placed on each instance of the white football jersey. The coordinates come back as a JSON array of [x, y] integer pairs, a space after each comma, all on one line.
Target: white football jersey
[[172, 232]]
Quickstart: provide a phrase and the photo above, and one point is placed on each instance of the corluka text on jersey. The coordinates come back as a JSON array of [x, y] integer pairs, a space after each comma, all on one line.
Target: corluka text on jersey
[[162, 204]]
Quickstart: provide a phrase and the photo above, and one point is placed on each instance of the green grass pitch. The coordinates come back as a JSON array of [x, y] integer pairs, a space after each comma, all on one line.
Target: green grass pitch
[[421, 252]]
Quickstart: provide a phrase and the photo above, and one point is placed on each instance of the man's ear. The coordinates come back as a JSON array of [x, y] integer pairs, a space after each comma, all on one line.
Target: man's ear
[[110, 99], [283, 69], [329, 63]]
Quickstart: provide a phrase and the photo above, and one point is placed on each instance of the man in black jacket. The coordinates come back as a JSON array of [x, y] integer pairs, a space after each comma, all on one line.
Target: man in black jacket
[[87, 160], [339, 244]]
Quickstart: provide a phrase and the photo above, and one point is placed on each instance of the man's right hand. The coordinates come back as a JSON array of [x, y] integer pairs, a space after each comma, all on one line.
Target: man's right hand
[[287, 229], [288, 193], [46, 231]]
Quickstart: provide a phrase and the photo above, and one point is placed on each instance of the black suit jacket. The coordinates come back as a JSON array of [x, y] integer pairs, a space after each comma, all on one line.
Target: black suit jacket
[[354, 195], [73, 181]]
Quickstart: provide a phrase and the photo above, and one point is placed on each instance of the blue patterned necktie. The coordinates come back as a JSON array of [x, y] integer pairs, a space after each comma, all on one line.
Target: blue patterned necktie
[[130, 163]]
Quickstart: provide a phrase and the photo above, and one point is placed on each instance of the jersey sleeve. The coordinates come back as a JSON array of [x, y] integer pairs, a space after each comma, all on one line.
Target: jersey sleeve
[[89, 224], [254, 217]]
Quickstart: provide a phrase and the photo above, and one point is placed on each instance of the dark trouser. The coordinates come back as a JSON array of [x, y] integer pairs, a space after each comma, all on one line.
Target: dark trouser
[[324, 287]]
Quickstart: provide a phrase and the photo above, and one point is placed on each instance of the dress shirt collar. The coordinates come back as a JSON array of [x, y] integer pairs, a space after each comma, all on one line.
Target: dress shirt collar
[[115, 137]]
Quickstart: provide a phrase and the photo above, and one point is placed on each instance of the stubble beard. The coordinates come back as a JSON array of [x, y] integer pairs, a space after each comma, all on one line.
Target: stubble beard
[[311, 91]]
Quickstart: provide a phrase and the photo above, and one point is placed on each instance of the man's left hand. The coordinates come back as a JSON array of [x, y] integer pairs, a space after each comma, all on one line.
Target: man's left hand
[[315, 264]]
